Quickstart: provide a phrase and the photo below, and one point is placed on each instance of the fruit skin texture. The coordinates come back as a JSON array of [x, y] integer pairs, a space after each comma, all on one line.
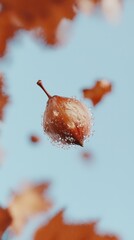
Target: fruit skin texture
[[67, 120]]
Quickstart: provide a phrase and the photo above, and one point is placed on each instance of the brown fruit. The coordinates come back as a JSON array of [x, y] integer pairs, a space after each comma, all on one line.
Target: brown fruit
[[66, 120]]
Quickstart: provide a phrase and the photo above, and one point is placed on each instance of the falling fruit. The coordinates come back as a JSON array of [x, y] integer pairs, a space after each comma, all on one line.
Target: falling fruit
[[66, 120]]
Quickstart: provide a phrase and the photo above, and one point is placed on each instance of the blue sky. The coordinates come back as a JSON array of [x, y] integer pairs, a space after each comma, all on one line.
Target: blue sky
[[102, 190]]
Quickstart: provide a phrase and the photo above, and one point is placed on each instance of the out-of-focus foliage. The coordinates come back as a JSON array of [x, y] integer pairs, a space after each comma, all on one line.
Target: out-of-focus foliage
[[87, 155], [29, 202], [111, 8], [5, 220], [57, 229], [4, 98], [96, 93], [41, 16], [35, 139], [44, 16]]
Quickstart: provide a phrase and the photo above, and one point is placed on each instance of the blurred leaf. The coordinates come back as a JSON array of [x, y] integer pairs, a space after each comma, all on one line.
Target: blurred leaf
[[34, 139], [5, 220], [40, 16], [56, 229], [4, 99], [87, 155], [96, 93], [111, 8], [27, 204]]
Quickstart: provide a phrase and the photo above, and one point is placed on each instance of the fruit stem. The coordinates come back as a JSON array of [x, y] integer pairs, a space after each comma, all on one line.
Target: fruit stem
[[40, 84]]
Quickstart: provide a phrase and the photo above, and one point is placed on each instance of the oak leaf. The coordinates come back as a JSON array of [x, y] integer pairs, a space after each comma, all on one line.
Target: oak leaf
[[4, 98], [5, 220], [28, 203], [56, 229], [96, 93]]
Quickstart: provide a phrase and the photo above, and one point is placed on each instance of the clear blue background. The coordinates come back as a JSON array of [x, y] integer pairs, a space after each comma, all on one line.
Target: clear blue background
[[103, 189]]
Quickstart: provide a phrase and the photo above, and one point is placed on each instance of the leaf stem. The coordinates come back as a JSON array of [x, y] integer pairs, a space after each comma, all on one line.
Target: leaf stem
[[40, 84]]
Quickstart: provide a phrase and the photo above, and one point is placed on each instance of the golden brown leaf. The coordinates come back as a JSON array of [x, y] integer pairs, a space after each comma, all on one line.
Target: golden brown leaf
[[96, 93], [5, 220], [27, 204], [4, 99], [56, 229]]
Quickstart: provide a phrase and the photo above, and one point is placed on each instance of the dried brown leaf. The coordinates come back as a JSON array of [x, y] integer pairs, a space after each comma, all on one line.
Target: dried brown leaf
[[28, 203], [96, 93], [4, 99], [56, 229], [41, 16], [5, 220]]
